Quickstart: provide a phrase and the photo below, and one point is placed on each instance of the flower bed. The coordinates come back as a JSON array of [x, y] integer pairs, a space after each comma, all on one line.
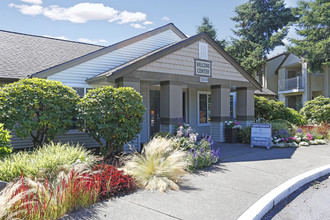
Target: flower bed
[[79, 188], [201, 153]]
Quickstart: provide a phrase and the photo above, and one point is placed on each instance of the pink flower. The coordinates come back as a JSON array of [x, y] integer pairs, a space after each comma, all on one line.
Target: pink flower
[[282, 139], [236, 123], [179, 123]]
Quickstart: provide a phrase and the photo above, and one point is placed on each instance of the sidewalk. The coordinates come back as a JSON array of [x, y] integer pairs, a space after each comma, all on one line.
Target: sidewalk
[[224, 191]]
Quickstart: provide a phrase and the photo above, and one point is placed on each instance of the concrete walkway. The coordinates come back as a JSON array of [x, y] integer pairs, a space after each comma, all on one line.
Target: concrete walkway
[[223, 192]]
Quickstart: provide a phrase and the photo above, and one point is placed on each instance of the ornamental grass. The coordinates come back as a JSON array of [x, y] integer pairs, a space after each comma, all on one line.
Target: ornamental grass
[[73, 188], [43, 162], [159, 166]]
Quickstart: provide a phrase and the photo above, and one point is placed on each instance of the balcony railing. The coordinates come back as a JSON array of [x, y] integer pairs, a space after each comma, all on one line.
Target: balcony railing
[[295, 83]]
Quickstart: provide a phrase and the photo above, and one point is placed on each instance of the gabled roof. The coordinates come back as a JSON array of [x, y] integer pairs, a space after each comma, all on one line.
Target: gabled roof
[[22, 55], [105, 50], [265, 92], [154, 55], [279, 66]]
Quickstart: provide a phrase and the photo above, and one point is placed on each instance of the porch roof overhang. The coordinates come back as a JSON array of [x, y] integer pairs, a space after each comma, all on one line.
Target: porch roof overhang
[[133, 65]]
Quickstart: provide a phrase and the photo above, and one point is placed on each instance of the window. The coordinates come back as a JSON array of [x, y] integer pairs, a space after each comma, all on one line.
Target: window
[[204, 108], [203, 51], [80, 91]]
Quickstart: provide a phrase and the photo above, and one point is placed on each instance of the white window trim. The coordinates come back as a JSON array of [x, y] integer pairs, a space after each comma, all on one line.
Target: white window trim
[[234, 103], [207, 116], [200, 45]]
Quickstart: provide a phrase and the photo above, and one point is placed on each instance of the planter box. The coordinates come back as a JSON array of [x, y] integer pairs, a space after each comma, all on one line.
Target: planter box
[[231, 135]]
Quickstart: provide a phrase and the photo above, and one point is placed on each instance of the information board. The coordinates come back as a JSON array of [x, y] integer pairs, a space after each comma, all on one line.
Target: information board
[[261, 135]]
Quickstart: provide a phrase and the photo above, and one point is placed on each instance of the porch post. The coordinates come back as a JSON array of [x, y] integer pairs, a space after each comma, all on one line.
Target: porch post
[[128, 82], [170, 105], [245, 105], [220, 110]]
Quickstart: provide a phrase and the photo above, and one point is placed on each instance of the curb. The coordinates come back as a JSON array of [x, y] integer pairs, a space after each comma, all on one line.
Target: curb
[[271, 199]]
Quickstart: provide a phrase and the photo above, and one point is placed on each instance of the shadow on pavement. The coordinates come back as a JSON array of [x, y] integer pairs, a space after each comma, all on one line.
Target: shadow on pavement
[[243, 152]]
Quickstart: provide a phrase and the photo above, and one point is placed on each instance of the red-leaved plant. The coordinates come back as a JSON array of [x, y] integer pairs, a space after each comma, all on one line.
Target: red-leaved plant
[[77, 189], [114, 182]]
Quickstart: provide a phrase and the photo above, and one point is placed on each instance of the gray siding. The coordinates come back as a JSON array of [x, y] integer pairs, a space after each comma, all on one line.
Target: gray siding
[[145, 125], [71, 137], [76, 76]]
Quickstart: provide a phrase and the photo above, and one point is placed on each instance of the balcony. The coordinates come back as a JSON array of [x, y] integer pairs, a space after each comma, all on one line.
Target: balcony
[[294, 84]]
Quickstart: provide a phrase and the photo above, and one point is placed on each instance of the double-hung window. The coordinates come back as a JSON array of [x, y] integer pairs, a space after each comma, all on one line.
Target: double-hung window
[[204, 108]]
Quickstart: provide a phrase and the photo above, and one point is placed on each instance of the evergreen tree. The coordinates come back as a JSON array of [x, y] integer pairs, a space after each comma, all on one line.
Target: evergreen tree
[[207, 27], [261, 26], [263, 22], [313, 24]]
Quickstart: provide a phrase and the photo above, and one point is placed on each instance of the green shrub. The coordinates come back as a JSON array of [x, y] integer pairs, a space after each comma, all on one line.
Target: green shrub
[[38, 108], [158, 167], [5, 147], [317, 110], [245, 135], [114, 114], [43, 162], [270, 110]]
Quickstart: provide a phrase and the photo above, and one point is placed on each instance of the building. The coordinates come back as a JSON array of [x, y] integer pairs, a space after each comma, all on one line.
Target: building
[[287, 76], [181, 78]]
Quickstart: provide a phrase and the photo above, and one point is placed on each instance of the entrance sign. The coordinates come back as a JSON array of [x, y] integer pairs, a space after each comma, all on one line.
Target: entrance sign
[[261, 135], [203, 79], [203, 67]]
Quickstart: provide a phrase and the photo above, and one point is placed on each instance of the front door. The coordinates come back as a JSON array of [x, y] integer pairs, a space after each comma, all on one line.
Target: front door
[[154, 112]]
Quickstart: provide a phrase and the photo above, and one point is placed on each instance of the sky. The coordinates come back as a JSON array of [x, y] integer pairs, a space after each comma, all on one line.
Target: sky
[[105, 22]]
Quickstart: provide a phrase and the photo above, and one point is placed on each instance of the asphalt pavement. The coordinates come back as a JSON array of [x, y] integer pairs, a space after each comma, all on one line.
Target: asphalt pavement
[[223, 191]]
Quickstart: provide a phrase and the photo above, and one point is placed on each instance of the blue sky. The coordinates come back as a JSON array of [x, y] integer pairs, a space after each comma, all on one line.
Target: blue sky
[[107, 22]]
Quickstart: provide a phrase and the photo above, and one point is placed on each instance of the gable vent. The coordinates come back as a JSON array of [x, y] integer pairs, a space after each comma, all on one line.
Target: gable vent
[[203, 51]]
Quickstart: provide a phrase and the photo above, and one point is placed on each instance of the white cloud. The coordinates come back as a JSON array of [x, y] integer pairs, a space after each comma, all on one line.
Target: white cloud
[[138, 26], [165, 18], [83, 12], [59, 37], [28, 9], [36, 2], [85, 40], [103, 41], [147, 22], [128, 17], [80, 13], [286, 41]]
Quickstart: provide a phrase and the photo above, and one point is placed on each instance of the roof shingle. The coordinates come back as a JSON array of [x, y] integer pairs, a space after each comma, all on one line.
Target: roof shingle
[[22, 54]]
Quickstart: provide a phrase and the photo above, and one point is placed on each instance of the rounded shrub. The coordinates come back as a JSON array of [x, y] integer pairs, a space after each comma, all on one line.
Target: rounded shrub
[[112, 114], [271, 110], [38, 108], [317, 110], [5, 147]]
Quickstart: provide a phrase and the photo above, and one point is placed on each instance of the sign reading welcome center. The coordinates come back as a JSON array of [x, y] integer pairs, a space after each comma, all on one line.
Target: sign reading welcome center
[[261, 135], [203, 67]]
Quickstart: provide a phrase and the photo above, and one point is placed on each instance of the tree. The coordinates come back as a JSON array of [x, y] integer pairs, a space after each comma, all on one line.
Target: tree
[[313, 27], [247, 54], [207, 27], [112, 114], [261, 26], [38, 108], [264, 22]]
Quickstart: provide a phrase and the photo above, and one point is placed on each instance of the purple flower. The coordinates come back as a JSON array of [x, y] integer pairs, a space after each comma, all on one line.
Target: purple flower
[[236, 123], [179, 123]]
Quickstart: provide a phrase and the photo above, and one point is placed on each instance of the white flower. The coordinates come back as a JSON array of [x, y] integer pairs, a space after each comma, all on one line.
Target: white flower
[[303, 143], [319, 141], [298, 139], [313, 142]]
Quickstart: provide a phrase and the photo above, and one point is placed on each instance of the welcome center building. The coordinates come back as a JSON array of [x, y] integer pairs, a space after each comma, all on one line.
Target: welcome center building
[[180, 78]]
